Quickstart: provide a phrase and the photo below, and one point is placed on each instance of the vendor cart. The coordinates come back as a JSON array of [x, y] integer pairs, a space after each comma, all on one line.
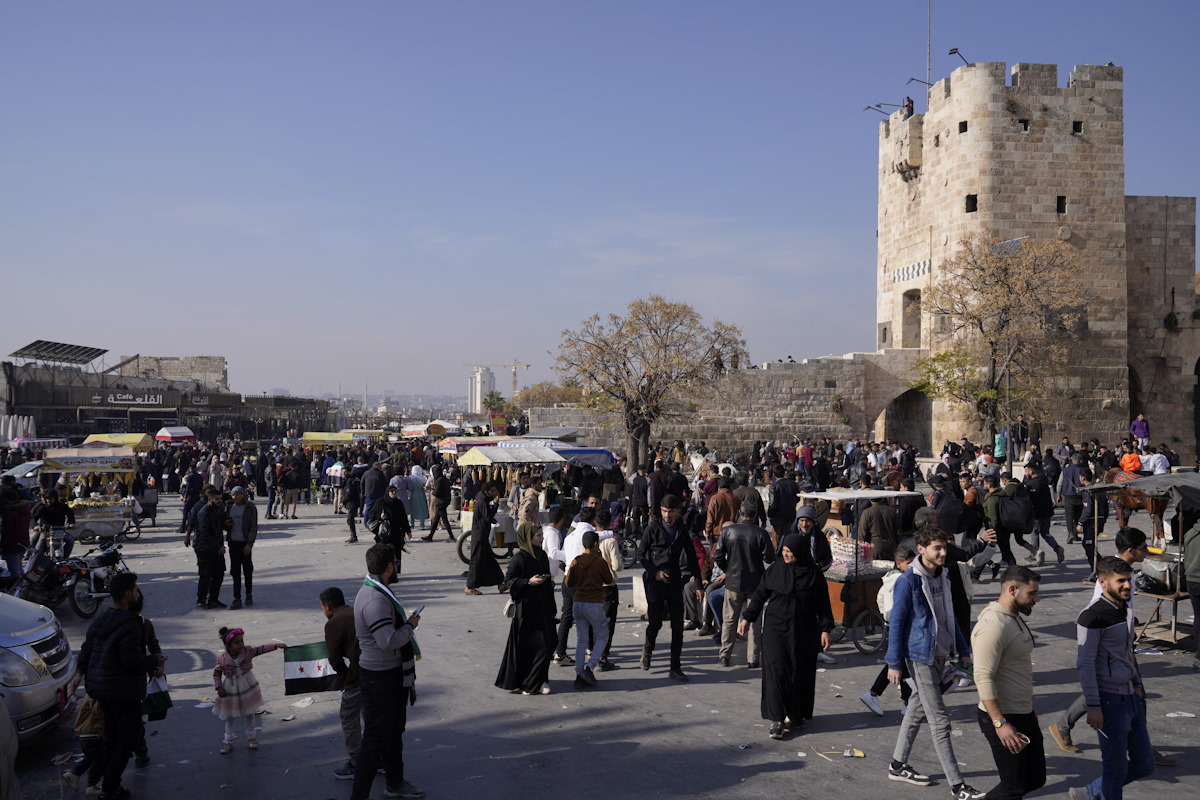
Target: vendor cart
[[504, 530], [104, 516]]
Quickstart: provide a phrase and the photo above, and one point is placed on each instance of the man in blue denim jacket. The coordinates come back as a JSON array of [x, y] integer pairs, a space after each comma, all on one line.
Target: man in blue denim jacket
[[924, 633]]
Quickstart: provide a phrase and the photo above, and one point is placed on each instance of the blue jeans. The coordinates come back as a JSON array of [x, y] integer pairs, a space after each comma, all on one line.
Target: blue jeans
[[1125, 750], [590, 620]]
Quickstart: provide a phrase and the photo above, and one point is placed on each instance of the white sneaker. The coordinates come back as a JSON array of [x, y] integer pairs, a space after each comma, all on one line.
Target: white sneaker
[[825, 658], [872, 702]]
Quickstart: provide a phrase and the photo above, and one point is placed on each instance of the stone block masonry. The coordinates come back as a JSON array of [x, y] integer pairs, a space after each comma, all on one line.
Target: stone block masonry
[[210, 370]]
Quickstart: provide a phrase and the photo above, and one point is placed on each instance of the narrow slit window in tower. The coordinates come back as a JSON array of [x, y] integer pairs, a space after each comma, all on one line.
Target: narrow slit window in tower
[[962, 126], [1024, 123], [1062, 204], [972, 203], [1077, 126]]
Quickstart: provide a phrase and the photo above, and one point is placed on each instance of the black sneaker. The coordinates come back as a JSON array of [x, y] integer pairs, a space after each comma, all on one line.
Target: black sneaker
[[236, 604], [589, 676], [216, 604], [723, 661], [564, 660], [352, 540], [345, 772], [249, 600], [580, 682], [966, 792], [201, 604], [908, 775], [753, 665], [607, 666], [676, 674]]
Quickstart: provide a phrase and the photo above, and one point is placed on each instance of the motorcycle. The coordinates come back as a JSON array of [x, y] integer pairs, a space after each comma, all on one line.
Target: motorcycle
[[49, 577], [94, 576]]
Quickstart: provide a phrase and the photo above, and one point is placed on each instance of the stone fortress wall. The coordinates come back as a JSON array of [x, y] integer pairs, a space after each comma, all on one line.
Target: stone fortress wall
[[1024, 157], [209, 370]]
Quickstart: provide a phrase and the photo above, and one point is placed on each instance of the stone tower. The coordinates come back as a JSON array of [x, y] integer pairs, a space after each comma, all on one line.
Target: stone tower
[[1026, 158]]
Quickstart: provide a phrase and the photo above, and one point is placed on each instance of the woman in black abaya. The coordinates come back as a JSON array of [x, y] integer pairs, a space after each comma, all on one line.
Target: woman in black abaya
[[484, 570], [532, 636], [793, 600]]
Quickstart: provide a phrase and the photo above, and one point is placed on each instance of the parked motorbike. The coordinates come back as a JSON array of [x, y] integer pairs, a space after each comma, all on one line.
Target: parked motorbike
[[49, 577], [94, 576]]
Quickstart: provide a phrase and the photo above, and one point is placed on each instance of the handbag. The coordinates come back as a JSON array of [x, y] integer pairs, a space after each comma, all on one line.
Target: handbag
[[157, 700]]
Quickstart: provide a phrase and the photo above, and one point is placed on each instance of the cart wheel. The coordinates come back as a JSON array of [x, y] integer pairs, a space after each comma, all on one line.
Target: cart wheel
[[464, 547], [85, 535], [131, 532], [869, 632]]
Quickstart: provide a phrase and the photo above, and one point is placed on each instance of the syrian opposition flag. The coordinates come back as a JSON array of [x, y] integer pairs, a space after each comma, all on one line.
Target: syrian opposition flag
[[306, 669]]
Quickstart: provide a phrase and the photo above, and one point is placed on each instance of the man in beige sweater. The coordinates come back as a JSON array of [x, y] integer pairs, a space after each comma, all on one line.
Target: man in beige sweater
[[1002, 645]]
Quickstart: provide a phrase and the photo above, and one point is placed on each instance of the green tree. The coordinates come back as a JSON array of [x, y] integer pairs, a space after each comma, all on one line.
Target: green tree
[[1005, 314], [493, 401], [654, 362]]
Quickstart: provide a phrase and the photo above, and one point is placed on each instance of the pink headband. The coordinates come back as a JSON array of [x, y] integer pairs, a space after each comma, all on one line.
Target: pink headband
[[233, 634]]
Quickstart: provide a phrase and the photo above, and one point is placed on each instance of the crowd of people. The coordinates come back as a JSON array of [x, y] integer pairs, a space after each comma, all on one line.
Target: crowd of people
[[735, 552]]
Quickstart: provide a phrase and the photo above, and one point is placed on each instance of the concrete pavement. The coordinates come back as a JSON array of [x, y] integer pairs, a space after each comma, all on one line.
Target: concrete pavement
[[637, 735]]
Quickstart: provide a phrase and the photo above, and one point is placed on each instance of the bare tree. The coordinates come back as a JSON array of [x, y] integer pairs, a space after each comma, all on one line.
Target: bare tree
[[1005, 314], [649, 364]]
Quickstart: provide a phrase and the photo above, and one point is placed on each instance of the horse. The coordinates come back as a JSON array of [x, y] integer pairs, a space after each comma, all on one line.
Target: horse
[[1130, 500]]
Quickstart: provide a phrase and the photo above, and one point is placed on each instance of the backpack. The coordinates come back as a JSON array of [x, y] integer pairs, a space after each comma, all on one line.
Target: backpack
[[953, 515], [1016, 512]]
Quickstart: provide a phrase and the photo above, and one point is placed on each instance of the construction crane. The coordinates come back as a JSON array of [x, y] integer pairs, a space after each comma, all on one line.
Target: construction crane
[[513, 365]]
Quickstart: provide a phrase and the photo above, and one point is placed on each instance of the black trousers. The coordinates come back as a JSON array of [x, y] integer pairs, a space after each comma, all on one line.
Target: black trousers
[[1072, 508], [1020, 773], [612, 601], [240, 564], [666, 597], [566, 618], [211, 566], [385, 713], [440, 515], [123, 732], [1004, 542]]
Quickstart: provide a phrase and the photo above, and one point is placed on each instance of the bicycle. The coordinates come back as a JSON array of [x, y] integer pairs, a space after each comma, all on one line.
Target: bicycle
[[867, 630]]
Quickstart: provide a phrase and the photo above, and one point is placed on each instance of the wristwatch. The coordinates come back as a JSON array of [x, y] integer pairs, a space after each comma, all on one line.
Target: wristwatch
[[999, 723]]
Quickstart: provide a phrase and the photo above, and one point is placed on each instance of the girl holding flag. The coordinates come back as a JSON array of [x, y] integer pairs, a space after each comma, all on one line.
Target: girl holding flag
[[238, 693]]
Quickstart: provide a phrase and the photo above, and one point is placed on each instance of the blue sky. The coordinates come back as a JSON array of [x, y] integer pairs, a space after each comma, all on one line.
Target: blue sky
[[388, 190]]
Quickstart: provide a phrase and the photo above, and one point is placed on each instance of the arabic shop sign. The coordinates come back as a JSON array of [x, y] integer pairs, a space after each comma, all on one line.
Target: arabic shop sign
[[128, 399]]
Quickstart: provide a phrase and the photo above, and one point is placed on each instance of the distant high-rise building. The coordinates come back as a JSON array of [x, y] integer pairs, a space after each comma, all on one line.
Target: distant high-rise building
[[479, 384]]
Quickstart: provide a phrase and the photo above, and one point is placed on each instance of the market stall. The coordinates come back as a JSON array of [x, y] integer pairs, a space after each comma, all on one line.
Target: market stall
[[138, 442], [108, 515], [320, 439], [175, 435], [34, 443], [457, 445], [422, 430], [506, 461]]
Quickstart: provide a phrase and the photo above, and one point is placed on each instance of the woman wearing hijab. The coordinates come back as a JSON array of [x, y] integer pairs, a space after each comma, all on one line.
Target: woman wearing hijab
[[532, 636], [416, 498], [794, 602], [484, 570]]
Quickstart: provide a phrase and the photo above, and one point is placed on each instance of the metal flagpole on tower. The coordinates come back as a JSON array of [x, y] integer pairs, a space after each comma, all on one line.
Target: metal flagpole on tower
[[928, 39]]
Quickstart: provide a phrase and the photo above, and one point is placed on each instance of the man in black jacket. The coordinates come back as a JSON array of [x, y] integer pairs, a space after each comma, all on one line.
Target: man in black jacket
[[116, 666], [667, 554], [1043, 510], [210, 550], [781, 510], [374, 488], [743, 551]]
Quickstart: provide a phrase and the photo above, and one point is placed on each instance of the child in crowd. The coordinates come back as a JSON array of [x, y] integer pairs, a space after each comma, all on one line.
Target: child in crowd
[[904, 559], [238, 694]]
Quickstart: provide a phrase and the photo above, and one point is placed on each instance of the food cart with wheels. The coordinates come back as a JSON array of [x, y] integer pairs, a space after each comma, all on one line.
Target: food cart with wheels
[[105, 516], [1166, 563], [504, 530], [856, 576], [138, 443]]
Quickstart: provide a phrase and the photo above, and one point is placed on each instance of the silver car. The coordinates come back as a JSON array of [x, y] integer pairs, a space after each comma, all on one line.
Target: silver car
[[36, 666]]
